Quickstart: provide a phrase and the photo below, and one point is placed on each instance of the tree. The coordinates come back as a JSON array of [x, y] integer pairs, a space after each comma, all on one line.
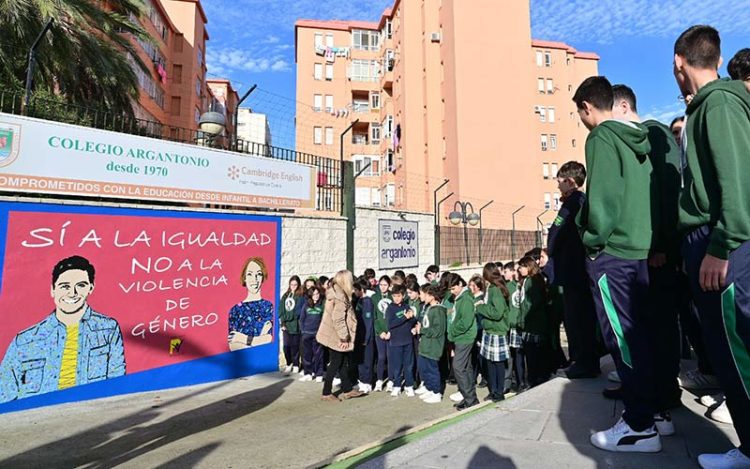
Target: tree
[[86, 58]]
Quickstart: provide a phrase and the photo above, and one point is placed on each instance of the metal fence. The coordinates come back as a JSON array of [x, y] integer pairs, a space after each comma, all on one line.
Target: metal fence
[[328, 183], [497, 245]]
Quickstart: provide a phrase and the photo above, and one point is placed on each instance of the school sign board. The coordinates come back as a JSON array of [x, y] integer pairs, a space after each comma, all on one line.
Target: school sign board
[[99, 301], [398, 244], [39, 156]]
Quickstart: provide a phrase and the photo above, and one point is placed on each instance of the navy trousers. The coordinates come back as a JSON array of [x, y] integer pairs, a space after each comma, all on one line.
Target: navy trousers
[[365, 365], [430, 373], [580, 325], [312, 359], [725, 323], [402, 365], [620, 291], [291, 348], [665, 334], [382, 348]]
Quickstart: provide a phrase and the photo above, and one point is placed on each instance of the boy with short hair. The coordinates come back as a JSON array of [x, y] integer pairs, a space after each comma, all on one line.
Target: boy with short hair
[[739, 67], [569, 268], [401, 321], [715, 214], [432, 329], [615, 225]]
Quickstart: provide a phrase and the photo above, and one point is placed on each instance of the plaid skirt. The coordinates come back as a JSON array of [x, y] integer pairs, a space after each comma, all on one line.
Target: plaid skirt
[[494, 347], [516, 339]]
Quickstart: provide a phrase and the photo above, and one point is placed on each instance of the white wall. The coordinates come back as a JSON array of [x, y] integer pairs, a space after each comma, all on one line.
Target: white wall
[[312, 246]]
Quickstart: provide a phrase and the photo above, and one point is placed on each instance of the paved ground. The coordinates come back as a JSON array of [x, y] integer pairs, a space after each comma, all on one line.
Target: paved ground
[[263, 421], [549, 426]]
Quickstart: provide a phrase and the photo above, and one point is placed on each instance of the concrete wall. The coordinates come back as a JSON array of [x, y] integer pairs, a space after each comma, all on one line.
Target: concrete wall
[[312, 246]]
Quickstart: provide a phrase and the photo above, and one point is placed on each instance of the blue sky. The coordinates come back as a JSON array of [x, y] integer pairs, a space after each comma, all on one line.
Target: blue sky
[[252, 41]]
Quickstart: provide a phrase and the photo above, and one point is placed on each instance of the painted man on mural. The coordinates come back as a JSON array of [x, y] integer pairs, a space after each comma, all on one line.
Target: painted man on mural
[[72, 346]]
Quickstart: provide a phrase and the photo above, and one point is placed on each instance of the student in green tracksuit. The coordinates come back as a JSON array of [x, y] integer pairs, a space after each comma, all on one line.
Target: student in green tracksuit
[[381, 300], [533, 321], [463, 332], [616, 229], [715, 215], [432, 330], [516, 378], [289, 307], [494, 311], [413, 292]]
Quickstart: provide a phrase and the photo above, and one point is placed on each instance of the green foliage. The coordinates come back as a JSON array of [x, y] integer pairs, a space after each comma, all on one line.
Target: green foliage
[[83, 59]]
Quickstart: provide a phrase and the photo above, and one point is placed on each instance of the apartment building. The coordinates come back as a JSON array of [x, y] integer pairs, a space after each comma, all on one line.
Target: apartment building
[[253, 127], [436, 90], [223, 99], [174, 92]]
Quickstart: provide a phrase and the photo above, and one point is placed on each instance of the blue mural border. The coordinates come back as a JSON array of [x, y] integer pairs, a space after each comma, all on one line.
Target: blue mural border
[[224, 366]]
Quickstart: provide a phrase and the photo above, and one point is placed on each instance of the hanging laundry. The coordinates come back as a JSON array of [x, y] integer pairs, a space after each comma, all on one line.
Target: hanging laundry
[[330, 56], [162, 73], [396, 137], [320, 50]]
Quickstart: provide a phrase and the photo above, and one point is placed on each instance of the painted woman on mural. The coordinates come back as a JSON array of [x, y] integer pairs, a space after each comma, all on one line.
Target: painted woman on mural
[[251, 321]]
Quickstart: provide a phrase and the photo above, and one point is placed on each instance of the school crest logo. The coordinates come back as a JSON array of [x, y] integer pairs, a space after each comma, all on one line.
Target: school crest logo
[[383, 305], [387, 233], [558, 221], [289, 303], [517, 298], [10, 143], [414, 310]]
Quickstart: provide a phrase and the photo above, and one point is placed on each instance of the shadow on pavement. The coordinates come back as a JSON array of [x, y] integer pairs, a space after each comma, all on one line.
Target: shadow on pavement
[[129, 437], [486, 457], [191, 459], [581, 414]]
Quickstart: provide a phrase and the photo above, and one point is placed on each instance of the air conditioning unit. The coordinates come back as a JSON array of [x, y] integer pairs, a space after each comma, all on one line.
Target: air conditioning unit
[[435, 37]]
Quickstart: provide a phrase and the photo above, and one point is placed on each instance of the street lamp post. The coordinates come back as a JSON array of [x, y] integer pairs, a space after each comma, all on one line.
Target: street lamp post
[[32, 62], [235, 117], [540, 227], [437, 240], [463, 212], [480, 227], [513, 234], [436, 212], [341, 161]]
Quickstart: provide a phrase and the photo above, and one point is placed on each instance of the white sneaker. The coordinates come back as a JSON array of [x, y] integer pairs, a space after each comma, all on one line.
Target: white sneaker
[[409, 391], [306, 378], [360, 385], [694, 379], [425, 395], [288, 369], [457, 397], [434, 398], [710, 400], [389, 386], [734, 459], [664, 424], [614, 377], [395, 392], [379, 385], [721, 414], [336, 381], [622, 438], [368, 389], [319, 379], [421, 390], [295, 369]]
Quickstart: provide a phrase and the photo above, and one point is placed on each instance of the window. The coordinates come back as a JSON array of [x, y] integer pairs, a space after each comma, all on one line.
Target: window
[[545, 170], [359, 138], [318, 40], [329, 103], [551, 115], [557, 200], [547, 59], [200, 57], [539, 58], [329, 72], [390, 60], [362, 194], [329, 135], [329, 40], [148, 84], [375, 197], [540, 85], [374, 100], [198, 87], [360, 105], [550, 86], [389, 163], [547, 200], [544, 143], [364, 70], [317, 135], [553, 170], [366, 40], [318, 71], [387, 126], [375, 133], [361, 163], [390, 195], [388, 29], [177, 73], [542, 114], [176, 105], [553, 142], [317, 102]]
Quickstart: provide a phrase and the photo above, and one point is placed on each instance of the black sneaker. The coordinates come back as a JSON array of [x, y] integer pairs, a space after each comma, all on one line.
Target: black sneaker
[[614, 393]]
